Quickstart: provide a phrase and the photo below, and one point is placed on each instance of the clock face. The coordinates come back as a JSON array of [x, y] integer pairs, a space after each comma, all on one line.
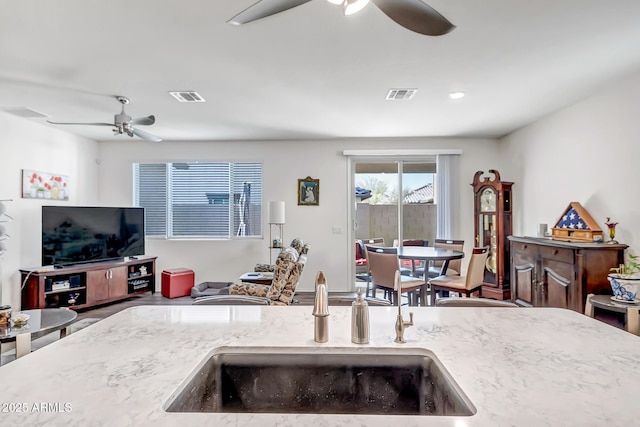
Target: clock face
[[488, 200]]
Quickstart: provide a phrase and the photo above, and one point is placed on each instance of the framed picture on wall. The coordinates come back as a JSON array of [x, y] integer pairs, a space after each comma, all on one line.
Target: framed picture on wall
[[308, 192], [44, 185]]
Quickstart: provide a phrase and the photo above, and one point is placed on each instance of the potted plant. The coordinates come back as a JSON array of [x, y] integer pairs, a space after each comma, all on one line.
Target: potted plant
[[625, 279]]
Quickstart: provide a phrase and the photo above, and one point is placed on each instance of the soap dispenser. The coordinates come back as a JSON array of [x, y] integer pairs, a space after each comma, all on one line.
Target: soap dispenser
[[360, 319], [321, 310]]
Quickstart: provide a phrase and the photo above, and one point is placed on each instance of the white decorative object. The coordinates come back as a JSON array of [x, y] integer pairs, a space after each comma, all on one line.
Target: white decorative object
[[20, 317], [542, 230], [4, 217], [276, 213]]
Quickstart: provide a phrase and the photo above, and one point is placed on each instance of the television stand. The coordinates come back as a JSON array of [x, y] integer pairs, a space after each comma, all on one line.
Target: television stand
[[86, 285]]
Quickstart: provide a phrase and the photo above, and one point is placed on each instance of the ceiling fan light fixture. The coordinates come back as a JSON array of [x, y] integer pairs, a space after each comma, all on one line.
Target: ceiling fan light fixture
[[122, 123], [353, 6], [414, 15], [456, 95]]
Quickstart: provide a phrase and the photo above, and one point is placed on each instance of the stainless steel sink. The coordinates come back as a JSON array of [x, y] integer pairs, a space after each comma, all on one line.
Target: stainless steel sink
[[321, 381]]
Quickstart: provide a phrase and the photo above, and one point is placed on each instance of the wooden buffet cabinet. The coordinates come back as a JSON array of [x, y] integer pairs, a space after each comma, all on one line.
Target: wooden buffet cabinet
[[85, 285], [552, 273]]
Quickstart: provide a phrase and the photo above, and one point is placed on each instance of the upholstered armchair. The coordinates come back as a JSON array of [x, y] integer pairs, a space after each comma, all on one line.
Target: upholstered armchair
[[286, 276], [296, 244]]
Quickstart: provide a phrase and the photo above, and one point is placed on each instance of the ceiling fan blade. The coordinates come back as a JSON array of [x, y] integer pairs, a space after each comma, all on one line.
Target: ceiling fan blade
[[264, 8], [84, 124], [145, 121], [415, 16], [146, 135]]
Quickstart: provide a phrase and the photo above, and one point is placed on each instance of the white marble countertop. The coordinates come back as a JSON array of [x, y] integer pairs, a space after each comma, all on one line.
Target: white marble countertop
[[519, 367]]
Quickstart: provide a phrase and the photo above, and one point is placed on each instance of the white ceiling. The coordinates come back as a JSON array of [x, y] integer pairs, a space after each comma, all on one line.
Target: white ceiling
[[309, 73]]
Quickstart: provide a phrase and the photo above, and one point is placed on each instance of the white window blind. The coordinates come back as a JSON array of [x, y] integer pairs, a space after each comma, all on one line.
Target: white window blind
[[200, 200], [150, 192]]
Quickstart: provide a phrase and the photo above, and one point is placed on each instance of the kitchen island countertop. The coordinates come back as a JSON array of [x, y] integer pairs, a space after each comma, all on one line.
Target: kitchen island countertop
[[519, 367]]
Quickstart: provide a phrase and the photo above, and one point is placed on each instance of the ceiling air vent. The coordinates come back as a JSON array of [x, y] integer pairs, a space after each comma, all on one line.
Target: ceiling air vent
[[400, 94], [187, 96]]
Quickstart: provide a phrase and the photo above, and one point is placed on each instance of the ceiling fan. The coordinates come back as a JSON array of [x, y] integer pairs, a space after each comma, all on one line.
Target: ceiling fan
[[414, 15], [123, 123]]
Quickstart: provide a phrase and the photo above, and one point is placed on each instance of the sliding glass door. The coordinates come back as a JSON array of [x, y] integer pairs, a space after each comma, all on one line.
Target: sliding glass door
[[394, 202]]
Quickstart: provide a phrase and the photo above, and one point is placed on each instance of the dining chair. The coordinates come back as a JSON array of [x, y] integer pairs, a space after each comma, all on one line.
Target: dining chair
[[362, 271], [383, 264], [473, 302], [361, 261], [376, 241], [467, 284], [349, 299], [454, 267], [412, 270]]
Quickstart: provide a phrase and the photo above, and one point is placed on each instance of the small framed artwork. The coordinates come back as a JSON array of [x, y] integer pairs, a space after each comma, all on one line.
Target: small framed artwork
[[44, 185], [308, 192]]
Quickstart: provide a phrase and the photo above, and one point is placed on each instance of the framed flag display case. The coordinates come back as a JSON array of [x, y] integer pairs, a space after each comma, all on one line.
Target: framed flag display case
[[576, 225]]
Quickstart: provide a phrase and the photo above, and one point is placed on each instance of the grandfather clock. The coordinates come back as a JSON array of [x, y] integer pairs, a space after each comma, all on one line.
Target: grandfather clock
[[493, 223]]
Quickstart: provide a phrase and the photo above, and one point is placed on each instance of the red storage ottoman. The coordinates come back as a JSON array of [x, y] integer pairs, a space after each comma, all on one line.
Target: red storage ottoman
[[177, 282]]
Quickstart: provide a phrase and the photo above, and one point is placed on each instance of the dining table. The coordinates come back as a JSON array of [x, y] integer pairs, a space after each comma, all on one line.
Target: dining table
[[426, 254], [429, 253]]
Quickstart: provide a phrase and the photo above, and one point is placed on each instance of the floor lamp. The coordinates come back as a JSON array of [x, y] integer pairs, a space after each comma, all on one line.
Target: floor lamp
[[275, 217]]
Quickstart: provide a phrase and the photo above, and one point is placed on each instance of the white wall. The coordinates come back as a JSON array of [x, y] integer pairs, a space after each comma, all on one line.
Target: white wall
[[26, 144], [284, 163], [589, 153]]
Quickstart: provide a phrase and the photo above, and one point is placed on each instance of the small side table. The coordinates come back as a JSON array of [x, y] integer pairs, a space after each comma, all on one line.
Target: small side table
[[260, 278], [42, 322], [631, 311]]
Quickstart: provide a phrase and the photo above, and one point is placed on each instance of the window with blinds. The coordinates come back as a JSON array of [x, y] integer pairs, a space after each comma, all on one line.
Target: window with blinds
[[200, 200]]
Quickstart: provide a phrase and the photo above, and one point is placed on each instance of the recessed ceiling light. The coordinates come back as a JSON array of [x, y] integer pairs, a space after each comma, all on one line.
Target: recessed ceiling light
[[456, 95]]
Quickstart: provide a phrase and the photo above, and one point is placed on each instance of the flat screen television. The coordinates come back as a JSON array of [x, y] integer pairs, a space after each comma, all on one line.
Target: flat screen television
[[79, 234]]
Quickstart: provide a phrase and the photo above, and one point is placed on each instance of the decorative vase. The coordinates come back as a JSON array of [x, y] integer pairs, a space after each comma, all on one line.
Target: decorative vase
[[624, 288], [612, 231]]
